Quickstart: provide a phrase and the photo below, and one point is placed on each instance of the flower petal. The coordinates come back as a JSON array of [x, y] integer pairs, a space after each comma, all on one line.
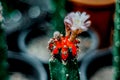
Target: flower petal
[[87, 24], [84, 17], [73, 28], [68, 21], [84, 28], [77, 20]]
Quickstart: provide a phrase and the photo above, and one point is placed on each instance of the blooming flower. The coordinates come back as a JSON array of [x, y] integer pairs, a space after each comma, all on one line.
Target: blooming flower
[[77, 20]]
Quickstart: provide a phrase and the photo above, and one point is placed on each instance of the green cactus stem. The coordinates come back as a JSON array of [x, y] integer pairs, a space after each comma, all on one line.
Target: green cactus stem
[[58, 14], [3, 52], [58, 71], [116, 50]]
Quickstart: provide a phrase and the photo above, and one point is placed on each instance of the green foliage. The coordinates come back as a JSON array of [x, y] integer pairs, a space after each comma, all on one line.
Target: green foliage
[[58, 14], [116, 51], [3, 55]]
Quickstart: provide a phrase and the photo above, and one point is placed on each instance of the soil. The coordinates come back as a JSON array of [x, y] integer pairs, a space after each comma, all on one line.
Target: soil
[[18, 76], [103, 74], [38, 48]]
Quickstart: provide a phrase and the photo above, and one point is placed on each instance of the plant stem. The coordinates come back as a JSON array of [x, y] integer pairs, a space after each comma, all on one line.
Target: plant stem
[[3, 52], [116, 51], [3, 56], [58, 71], [58, 8]]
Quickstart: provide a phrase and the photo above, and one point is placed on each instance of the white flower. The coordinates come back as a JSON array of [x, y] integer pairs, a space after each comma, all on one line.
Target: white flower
[[77, 20], [68, 19]]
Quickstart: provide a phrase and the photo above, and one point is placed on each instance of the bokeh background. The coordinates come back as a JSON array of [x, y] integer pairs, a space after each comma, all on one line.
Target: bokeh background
[[29, 24]]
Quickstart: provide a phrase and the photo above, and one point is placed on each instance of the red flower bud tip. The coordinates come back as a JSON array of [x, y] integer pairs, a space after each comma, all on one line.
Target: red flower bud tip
[[77, 41], [64, 56], [50, 47], [64, 50], [58, 44], [55, 51], [74, 50], [70, 44]]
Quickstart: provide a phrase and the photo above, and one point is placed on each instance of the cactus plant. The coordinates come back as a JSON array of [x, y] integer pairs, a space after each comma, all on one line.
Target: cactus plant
[[58, 13], [64, 49], [3, 50], [116, 51]]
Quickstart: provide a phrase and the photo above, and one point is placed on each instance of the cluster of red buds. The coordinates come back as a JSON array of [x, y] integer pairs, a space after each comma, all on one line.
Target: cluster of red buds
[[66, 47], [62, 47]]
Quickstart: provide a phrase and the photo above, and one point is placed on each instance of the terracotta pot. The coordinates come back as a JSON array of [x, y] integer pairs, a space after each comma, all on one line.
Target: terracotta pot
[[101, 12]]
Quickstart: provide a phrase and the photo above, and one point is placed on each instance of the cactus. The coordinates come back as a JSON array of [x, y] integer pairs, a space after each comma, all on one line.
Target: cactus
[[64, 49], [58, 13], [116, 50], [3, 50]]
